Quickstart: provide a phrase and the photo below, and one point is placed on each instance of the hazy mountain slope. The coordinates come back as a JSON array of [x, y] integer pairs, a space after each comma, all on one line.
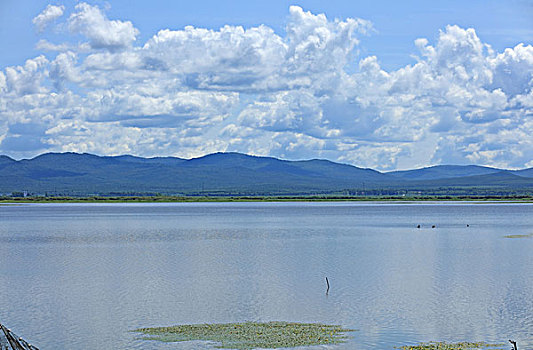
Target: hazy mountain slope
[[524, 172], [342, 171], [443, 172], [5, 160], [312, 168], [501, 178]]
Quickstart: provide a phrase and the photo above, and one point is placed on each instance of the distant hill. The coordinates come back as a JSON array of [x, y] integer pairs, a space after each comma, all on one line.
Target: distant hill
[[524, 172], [439, 172], [443, 172], [233, 173], [496, 179]]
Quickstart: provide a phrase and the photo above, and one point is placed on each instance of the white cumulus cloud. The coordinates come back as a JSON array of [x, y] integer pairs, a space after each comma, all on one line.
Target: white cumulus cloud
[[102, 33], [49, 14]]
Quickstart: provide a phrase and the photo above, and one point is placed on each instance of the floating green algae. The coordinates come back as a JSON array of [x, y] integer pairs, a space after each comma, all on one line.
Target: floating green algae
[[452, 346], [251, 335], [520, 236]]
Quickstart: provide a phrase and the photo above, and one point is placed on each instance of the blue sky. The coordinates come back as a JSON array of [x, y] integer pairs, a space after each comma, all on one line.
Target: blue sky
[[381, 84]]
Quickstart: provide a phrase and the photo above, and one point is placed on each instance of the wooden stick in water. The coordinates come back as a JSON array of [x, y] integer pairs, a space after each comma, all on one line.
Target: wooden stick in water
[[327, 282]]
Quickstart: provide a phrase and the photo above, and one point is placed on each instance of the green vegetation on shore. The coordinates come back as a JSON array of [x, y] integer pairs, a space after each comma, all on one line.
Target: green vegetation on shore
[[251, 335], [170, 199], [452, 346]]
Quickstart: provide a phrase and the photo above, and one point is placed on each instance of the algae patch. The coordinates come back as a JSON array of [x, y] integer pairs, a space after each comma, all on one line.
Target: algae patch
[[452, 346], [251, 335], [520, 236]]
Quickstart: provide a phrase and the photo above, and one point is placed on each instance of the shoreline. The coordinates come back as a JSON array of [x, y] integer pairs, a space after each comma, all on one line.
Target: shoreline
[[258, 199]]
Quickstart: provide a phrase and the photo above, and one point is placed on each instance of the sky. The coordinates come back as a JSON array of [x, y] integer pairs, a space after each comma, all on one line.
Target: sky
[[382, 84]]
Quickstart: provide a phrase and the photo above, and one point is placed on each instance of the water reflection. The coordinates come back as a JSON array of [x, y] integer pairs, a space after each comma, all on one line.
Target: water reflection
[[84, 275]]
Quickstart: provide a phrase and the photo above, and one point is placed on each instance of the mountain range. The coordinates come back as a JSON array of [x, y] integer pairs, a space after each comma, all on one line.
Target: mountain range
[[240, 174]]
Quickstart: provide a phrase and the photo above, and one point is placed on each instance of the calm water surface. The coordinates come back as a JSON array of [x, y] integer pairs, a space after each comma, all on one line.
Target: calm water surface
[[82, 276]]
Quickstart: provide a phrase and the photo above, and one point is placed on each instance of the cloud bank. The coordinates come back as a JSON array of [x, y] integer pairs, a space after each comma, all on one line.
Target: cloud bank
[[304, 94]]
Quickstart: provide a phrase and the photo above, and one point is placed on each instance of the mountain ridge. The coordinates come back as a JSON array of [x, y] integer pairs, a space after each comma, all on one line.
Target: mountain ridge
[[443, 171], [233, 173]]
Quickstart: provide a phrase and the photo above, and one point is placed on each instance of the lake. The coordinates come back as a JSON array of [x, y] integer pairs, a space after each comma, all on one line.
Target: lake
[[81, 276]]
